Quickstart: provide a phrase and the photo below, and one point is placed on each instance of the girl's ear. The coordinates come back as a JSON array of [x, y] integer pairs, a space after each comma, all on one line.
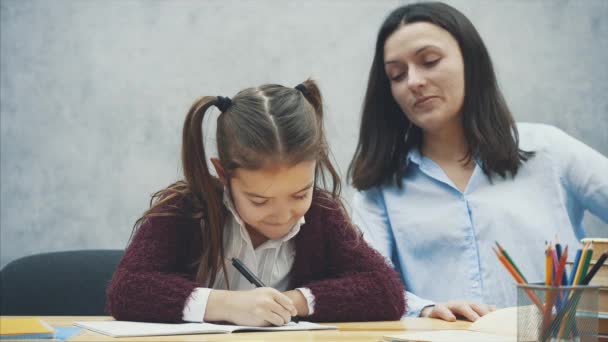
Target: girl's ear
[[219, 169]]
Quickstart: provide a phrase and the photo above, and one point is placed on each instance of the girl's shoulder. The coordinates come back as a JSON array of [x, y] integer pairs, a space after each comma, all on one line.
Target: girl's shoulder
[[176, 205], [172, 203], [326, 208], [179, 199], [328, 220], [323, 200]]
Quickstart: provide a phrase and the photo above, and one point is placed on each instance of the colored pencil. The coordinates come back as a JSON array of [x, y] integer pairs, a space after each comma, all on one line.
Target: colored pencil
[[504, 252], [518, 278], [594, 269], [577, 259], [548, 266]]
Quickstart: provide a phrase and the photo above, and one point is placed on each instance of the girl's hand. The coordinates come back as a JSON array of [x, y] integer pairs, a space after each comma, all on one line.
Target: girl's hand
[[299, 301], [258, 307], [448, 311]]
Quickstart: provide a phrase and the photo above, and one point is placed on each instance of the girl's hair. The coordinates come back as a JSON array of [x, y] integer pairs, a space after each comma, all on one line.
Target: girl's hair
[[387, 135], [264, 126]]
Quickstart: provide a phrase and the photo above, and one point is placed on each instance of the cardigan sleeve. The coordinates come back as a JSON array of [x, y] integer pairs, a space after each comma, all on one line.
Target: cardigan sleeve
[[360, 285], [147, 285]]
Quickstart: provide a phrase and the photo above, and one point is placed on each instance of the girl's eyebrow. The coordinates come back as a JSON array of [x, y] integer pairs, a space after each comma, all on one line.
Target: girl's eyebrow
[[251, 194], [305, 188]]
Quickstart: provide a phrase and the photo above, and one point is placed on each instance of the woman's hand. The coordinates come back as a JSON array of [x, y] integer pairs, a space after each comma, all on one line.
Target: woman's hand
[[448, 311], [258, 307]]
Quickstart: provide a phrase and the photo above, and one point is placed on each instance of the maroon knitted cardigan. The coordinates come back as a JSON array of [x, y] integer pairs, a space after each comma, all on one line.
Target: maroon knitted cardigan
[[349, 279]]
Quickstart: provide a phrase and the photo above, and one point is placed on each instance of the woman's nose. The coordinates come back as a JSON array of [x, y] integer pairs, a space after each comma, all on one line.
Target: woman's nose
[[415, 79]]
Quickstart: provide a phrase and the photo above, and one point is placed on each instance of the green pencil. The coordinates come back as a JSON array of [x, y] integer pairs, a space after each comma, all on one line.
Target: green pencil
[[504, 252], [586, 263]]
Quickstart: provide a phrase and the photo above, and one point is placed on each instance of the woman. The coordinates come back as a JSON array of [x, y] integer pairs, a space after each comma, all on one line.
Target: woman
[[443, 171]]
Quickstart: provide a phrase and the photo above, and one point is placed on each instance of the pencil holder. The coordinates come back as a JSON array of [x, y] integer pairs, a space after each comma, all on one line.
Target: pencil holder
[[557, 313]]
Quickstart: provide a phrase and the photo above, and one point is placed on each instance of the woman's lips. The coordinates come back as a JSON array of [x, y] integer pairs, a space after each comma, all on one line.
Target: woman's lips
[[421, 101]]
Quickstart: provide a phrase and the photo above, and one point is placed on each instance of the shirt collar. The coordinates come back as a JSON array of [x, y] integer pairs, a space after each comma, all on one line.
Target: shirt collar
[[227, 200], [414, 156]]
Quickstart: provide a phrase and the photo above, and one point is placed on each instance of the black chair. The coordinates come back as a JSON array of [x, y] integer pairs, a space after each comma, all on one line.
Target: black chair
[[61, 283]]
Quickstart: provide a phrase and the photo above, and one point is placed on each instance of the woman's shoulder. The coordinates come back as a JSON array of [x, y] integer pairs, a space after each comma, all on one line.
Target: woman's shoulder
[[549, 143], [539, 136]]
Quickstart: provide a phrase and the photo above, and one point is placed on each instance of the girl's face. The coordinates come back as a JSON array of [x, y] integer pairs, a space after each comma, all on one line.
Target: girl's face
[[271, 200], [426, 71]]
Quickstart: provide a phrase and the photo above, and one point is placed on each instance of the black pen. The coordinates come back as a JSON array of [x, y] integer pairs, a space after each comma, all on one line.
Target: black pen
[[253, 279]]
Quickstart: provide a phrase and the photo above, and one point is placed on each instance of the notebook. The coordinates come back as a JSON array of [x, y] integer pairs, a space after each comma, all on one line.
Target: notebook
[[497, 326], [132, 329], [25, 328]]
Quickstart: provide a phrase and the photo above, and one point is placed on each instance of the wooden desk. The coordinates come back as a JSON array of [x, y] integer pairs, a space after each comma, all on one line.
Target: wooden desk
[[366, 331]]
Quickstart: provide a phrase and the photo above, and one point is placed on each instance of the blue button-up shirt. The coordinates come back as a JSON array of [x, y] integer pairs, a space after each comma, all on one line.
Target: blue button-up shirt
[[440, 239]]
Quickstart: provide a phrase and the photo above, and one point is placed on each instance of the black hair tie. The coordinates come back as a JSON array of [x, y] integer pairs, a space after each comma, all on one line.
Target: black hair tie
[[302, 88], [222, 103]]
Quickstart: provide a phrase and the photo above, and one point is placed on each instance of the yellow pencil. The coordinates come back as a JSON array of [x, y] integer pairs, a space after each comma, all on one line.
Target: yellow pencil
[[577, 279], [548, 266], [579, 270]]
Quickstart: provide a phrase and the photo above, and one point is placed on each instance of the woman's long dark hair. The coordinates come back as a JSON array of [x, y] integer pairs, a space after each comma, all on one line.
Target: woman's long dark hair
[[489, 128], [261, 127]]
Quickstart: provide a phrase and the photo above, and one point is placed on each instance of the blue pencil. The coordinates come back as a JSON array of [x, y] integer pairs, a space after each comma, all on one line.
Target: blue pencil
[[577, 259]]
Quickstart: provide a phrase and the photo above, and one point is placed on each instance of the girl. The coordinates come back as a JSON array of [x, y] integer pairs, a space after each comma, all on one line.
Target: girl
[[269, 208], [443, 169]]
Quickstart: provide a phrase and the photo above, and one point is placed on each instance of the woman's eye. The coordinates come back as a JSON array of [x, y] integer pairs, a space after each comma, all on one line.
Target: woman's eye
[[432, 62], [397, 77]]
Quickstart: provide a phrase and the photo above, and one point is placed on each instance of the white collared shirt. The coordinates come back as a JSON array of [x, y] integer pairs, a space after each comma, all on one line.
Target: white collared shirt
[[271, 262]]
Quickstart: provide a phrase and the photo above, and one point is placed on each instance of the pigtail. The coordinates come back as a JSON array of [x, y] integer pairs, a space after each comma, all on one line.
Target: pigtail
[[204, 188], [313, 95], [324, 164], [194, 161]]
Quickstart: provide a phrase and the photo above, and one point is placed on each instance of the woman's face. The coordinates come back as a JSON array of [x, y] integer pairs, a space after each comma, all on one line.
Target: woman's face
[[426, 71]]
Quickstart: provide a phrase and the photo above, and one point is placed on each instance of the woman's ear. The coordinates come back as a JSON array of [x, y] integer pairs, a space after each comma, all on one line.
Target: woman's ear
[[219, 169]]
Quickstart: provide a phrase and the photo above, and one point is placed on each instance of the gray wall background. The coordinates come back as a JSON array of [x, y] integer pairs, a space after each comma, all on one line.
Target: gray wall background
[[93, 93]]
